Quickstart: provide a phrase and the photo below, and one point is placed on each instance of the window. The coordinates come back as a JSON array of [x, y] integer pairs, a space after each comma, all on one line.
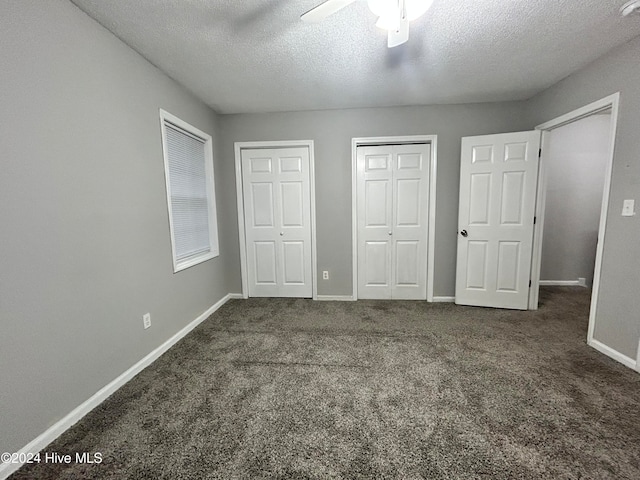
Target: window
[[188, 167]]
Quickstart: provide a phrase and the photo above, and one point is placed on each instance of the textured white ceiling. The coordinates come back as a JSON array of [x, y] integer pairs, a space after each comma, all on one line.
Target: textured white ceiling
[[257, 56]]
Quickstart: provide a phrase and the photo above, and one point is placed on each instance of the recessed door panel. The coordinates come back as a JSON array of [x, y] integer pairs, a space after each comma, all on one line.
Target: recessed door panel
[[406, 262], [480, 198], [261, 165], [476, 270], [262, 204], [409, 161], [376, 272], [377, 162], [508, 265], [294, 262], [515, 152], [292, 204], [290, 164], [265, 263], [376, 200], [482, 154], [512, 196], [408, 202]]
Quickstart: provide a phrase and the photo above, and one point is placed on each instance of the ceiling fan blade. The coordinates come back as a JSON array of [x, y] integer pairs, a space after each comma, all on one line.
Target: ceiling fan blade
[[324, 10], [400, 34]]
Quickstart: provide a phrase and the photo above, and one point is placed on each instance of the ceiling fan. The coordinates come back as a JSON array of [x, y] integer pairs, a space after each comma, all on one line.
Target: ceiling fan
[[393, 15]]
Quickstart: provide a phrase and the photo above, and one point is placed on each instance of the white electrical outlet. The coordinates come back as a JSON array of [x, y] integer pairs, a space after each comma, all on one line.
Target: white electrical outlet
[[628, 208], [325, 275], [146, 320]]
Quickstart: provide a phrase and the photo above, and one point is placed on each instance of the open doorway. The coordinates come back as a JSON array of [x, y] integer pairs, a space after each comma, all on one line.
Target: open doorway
[[566, 186], [576, 169]]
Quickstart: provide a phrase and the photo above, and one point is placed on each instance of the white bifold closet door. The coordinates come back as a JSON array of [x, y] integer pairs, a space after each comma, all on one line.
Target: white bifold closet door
[[392, 202], [277, 219]]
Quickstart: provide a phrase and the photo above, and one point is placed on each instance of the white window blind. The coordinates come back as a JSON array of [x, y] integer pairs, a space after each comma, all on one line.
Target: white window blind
[[189, 203], [190, 193]]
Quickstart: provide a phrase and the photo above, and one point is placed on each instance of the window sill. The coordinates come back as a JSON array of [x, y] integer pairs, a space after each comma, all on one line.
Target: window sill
[[190, 262]]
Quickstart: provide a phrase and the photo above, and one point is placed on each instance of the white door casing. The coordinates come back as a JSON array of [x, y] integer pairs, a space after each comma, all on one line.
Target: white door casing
[[498, 181], [277, 221], [392, 205]]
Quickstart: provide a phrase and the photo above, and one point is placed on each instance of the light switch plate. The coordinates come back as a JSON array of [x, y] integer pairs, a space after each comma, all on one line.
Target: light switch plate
[[628, 208]]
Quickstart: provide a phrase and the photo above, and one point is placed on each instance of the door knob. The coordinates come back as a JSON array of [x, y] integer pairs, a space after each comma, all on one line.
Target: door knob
[[390, 233], [281, 233], [464, 233]]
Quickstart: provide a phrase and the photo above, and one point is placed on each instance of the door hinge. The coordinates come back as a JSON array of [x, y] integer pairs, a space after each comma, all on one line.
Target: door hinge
[[539, 152], [534, 220], [529, 283]]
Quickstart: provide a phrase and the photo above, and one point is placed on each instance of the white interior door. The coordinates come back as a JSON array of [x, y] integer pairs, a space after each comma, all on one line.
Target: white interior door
[[392, 203], [277, 218], [498, 180]]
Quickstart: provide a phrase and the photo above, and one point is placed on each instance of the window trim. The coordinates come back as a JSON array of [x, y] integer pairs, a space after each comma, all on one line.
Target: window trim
[[214, 251]]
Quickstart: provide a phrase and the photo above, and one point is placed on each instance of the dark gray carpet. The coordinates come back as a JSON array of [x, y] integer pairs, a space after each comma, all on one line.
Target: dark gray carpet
[[277, 388]]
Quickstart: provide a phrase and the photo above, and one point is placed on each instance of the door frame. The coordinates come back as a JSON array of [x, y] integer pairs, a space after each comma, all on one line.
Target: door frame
[[238, 147], [606, 103], [431, 221]]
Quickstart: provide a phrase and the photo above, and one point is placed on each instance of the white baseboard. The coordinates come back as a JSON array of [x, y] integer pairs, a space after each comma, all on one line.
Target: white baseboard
[[335, 298], [562, 283], [443, 299], [57, 429], [610, 352]]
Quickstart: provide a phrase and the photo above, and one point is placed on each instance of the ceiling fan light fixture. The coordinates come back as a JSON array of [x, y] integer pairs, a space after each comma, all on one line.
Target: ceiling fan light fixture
[[388, 13], [630, 7], [389, 22]]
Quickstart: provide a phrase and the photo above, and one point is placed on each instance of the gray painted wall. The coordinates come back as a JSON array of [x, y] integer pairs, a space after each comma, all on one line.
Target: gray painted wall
[[577, 159], [84, 244], [332, 131], [617, 320]]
